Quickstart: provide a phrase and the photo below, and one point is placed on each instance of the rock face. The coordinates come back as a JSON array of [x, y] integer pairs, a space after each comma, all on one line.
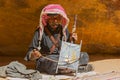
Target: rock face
[[98, 24]]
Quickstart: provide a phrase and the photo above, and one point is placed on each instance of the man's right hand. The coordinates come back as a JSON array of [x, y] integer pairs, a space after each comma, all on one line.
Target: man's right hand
[[35, 54]]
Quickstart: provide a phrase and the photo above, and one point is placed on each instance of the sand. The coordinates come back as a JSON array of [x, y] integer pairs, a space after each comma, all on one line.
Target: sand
[[106, 65], [100, 66]]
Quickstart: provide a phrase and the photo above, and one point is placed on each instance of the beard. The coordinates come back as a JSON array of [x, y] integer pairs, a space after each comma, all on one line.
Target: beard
[[54, 25]]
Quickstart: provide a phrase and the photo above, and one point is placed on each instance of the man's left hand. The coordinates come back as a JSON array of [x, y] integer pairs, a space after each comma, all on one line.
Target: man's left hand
[[74, 37]]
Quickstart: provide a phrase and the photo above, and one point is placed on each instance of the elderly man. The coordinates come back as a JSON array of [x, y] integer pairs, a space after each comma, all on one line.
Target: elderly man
[[47, 38]]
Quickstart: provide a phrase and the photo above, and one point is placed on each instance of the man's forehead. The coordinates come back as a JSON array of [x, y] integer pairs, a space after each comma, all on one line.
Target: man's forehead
[[53, 14]]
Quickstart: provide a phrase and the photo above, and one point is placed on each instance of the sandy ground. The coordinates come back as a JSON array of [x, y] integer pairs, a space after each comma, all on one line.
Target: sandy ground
[[101, 63], [106, 65]]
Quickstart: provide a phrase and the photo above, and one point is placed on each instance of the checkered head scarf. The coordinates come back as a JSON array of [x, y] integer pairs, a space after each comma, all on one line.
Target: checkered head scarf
[[53, 9]]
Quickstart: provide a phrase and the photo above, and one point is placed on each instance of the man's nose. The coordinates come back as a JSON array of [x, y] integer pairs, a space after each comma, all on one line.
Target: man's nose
[[55, 20]]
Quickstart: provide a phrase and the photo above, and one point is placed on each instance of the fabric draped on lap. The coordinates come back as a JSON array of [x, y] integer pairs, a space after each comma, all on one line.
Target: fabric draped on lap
[[44, 65], [16, 69]]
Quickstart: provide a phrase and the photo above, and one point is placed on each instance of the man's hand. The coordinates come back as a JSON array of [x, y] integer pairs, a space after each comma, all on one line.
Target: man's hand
[[35, 54], [74, 37]]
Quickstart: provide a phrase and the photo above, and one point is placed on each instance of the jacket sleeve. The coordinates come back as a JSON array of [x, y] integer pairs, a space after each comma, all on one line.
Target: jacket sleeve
[[68, 35], [33, 45]]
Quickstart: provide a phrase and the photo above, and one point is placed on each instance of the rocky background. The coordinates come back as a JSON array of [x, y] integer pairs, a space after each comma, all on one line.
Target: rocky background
[[98, 24]]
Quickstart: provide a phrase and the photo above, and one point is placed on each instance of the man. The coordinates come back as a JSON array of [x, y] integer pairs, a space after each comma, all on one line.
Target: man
[[47, 38]]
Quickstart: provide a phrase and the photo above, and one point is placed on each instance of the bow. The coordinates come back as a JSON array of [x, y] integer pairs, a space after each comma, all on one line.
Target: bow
[[74, 27]]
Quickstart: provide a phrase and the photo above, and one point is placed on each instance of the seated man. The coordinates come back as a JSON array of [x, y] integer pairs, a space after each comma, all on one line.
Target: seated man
[[47, 39]]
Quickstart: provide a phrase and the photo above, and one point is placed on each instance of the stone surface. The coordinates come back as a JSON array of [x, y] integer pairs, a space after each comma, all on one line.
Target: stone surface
[[98, 24]]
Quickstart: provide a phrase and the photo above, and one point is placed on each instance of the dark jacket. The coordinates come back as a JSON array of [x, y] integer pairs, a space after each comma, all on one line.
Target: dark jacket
[[46, 43]]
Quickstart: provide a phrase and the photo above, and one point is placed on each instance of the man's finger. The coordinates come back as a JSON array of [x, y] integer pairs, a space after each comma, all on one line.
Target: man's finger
[[34, 50]]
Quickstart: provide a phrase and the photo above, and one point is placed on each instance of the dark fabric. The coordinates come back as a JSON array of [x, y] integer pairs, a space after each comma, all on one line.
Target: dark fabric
[[44, 65], [55, 40], [84, 58], [46, 43]]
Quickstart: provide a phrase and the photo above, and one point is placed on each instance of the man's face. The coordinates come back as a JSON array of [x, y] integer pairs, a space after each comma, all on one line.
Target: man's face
[[54, 20]]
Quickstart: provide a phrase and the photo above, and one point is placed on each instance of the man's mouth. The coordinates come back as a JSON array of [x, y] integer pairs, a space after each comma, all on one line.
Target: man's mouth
[[55, 25]]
